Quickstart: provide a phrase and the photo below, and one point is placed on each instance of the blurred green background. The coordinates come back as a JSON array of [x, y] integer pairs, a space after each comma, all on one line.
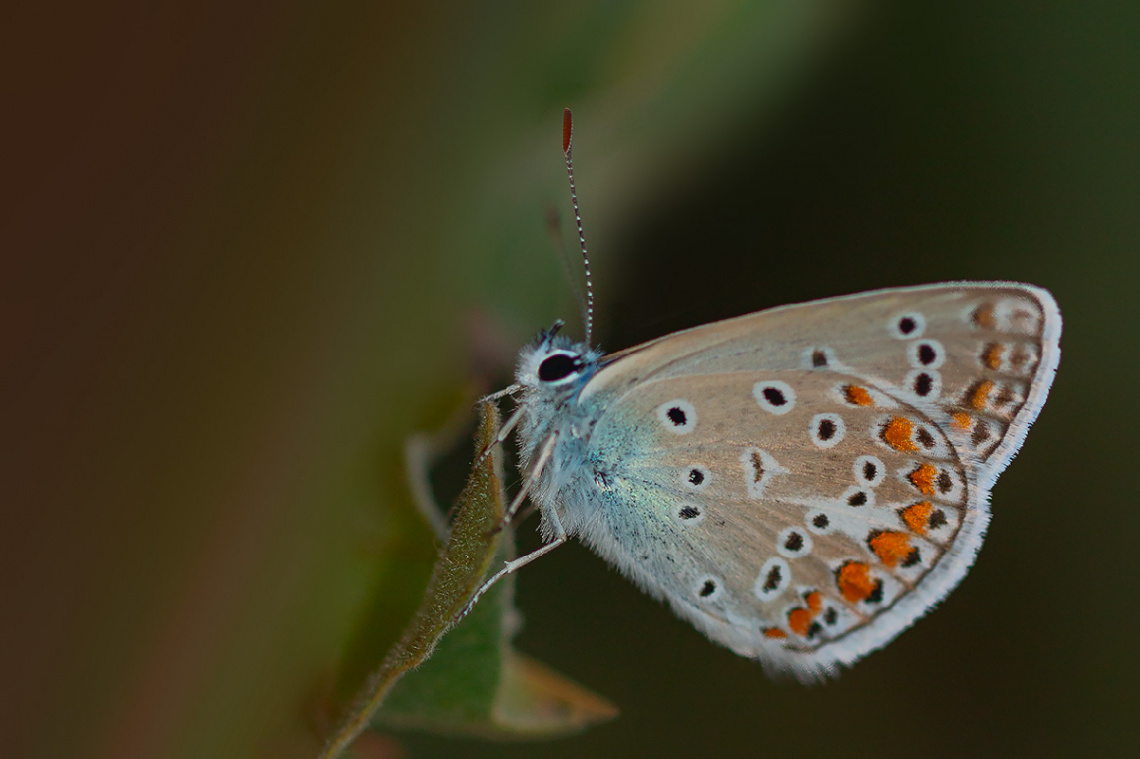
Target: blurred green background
[[249, 247]]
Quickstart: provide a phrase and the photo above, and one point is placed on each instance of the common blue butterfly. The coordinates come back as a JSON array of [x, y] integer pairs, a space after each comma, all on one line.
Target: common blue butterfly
[[801, 483]]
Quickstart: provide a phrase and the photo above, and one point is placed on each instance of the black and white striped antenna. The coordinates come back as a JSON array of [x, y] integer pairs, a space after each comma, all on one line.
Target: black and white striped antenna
[[567, 148]]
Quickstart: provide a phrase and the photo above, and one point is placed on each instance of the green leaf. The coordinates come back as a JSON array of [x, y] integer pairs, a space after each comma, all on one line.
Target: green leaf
[[475, 683]]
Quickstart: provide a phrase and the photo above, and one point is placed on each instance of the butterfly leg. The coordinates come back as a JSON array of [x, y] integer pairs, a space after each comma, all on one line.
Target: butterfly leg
[[504, 433], [539, 464], [509, 390], [513, 565], [558, 532]]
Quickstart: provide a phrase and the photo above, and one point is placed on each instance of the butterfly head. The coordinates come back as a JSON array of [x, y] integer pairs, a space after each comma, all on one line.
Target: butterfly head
[[554, 366]]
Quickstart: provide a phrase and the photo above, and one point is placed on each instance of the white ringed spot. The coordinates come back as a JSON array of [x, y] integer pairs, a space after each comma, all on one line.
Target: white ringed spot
[[925, 383], [774, 578], [818, 357], [793, 542], [869, 470], [708, 588], [695, 477], [759, 469], [827, 430], [907, 326], [856, 497], [689, 514], [819, 522], [774, 396], [925, 354], [678, 416]]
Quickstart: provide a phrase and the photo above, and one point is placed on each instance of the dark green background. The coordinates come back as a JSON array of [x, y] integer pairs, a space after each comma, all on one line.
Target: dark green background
[[249, 247]]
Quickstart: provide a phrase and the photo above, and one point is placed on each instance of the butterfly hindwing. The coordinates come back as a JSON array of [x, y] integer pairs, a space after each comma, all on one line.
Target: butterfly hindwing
[[779, 530]]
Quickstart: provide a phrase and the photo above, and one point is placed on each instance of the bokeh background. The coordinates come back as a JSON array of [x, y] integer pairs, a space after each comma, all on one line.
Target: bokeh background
[[249, 247]]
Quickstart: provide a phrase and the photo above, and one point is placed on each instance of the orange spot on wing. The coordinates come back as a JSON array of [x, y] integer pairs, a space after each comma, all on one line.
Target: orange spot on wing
[[991, 356], [897, 434], [774, 632], [799, 620], [962, 420], [923, 478], [858, 395], [814, 601], [890, 547], [854, 580], [917, 517], [984, 317], [979, 394]]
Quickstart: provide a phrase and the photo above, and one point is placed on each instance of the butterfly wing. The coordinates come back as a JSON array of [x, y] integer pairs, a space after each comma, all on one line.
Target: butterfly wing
[[803, 483]]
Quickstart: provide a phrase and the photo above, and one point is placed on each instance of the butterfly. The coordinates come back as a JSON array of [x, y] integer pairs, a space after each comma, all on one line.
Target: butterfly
[[802, 483]]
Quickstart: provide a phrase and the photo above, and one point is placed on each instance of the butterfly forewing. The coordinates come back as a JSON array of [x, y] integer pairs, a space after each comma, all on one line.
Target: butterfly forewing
[[979, 357], [803, 483]]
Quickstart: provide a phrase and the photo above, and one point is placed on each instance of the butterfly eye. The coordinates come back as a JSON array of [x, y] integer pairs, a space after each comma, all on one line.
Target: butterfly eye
[[558, 367]]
